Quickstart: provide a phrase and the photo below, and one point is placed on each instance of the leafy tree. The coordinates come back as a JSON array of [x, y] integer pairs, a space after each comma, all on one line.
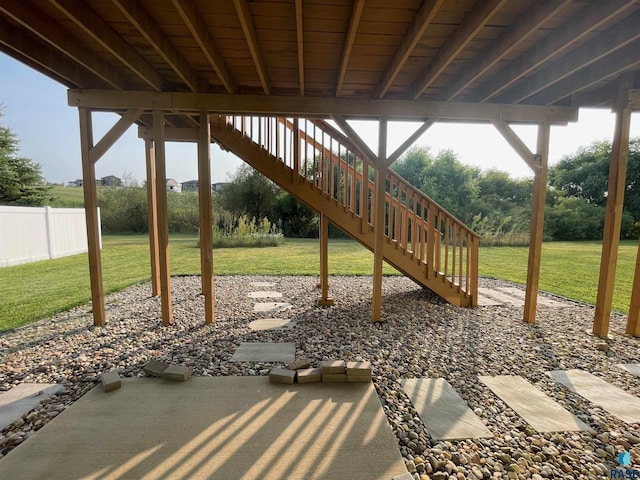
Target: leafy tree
[[250, 193], [451, 184], [21, 181], [295, 218], [412, 165], [585, 175], [499, 188]]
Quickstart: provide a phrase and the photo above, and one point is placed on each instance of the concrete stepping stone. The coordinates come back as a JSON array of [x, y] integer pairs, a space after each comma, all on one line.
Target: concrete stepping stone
[[272, 324], [265, 295], [631, 368], [271, 307], [262, 284], [264, 352], [614, 400], [519, 293], [503, 297], [533, 405], [23, 398], [445, 414], [485, 299]]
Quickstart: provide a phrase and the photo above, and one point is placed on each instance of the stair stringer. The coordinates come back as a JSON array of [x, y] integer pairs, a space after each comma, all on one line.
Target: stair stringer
[[305, 191]]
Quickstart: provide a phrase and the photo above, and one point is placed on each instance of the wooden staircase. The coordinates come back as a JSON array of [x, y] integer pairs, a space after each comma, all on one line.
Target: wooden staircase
[[321, 167]]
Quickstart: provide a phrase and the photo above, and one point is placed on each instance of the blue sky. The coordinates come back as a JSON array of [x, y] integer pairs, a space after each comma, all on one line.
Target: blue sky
[[35, 108]]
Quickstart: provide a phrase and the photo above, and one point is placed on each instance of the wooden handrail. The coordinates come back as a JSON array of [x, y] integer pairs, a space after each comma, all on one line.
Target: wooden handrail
[[415, 223]]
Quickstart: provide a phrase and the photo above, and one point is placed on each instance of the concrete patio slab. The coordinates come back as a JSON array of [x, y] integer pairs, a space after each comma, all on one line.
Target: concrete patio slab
[[519, 293], [23, 398], [631, 368], [611, 398], [262, 284], [272, 324], [265, 294], [271, 307], [265, 352], [214, 427], [445, 414], [531, 403]]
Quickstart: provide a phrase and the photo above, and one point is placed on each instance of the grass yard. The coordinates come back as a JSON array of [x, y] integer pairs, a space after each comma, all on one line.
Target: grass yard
[[67, 197], [37, 290]]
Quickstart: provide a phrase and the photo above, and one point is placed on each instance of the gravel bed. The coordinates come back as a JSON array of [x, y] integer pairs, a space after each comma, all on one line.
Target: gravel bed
[[421, 336]]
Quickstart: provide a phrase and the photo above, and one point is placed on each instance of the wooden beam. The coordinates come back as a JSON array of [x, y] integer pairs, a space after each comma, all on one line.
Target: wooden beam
[[633, 321], [537, 224], [56, 36], [318, 107], [193, 20], [300, 44], [325, 299], [466, 31], [92, 218], [354, 22], [613, 220], [38, 67], [517, 33], [418, 27], [355, 138], [378, 225], [409, 141], [172, 134], [249, 29], [152, 215], [136, 13], [634, 99], [109, 138], [517, 144], [562, 39], [601, 97], [93, 25], [40, 57], [588, 53], [624, 59], [206, 215], [163, 218]]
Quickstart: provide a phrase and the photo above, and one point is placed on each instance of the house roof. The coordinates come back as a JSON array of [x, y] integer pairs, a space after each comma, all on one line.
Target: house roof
[[288, 53]]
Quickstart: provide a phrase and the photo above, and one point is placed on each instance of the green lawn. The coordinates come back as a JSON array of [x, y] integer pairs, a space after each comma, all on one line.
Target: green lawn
[[37, 290], [67, 197]]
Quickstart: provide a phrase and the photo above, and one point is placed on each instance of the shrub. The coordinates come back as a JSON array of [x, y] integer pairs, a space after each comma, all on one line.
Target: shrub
[[231, 232]]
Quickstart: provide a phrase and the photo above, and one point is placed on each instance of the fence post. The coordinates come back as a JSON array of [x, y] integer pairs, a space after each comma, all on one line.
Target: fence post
[[48, 224]]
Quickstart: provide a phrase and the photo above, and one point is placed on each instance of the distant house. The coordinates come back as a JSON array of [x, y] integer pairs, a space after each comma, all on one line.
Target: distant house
[[219, 186], [190, 186], [111, 181], [173, 186], [75, 183]]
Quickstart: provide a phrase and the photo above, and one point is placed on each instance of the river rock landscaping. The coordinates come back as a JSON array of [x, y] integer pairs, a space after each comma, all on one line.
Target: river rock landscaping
[[420, 336]]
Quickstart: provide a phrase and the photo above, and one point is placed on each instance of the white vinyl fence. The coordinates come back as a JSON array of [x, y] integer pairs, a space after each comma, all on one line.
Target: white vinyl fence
[[29, 234]]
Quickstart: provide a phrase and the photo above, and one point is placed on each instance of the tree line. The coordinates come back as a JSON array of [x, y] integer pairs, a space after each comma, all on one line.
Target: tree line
[[492, 203]]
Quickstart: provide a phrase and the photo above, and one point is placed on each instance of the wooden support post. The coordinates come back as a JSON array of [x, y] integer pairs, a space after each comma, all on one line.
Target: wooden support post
[[163, 219], [633, 322], [378, 224], [537, 223], [91, 217], [613, 219], [206, 214], [325, 299], [364, 198], [296, 149], [152, 207]]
